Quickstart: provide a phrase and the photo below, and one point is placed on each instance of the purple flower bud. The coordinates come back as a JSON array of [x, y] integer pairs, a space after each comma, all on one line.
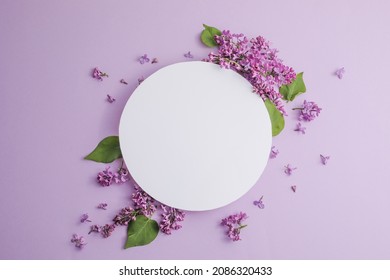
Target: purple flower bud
[[188, 55], [102, 206], [97, 74], [274, 152], [288, 169], [324, 159], [95, 228], [300, 128], [340, 72], [110, 99], [84, 218], [144, 59], [294, 188]]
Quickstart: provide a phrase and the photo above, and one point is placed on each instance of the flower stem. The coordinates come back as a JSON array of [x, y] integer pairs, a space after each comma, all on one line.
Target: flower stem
[[297, 108]]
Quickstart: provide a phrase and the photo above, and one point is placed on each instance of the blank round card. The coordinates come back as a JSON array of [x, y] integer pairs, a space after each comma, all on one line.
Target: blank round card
[[194, 136]]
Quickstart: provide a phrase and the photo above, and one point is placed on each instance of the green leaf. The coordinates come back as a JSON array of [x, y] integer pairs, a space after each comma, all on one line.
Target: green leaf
[[106, 151], [277, 119], [141, 232], [297, 87], [207, 35]]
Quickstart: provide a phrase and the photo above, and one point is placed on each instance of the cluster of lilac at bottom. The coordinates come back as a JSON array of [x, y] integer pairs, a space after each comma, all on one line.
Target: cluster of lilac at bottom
[[142, 204]]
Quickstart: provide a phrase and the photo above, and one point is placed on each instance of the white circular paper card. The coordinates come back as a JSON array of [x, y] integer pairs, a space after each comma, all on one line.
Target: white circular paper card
[[194, 136]]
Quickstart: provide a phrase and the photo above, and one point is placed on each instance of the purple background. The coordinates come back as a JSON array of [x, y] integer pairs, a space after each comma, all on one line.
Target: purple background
[[52, 113]]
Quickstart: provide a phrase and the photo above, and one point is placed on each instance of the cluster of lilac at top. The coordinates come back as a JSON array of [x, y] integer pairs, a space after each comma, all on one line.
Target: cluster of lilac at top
[[257, 62], [234, 224], [106, 177]]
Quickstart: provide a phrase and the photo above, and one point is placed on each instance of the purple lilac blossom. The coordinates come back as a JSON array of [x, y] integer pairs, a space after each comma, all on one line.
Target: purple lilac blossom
[[188, 55], [95, 228], [78, 241], [255, 61], [288, 169], [107, 230], [259, 203], [143, 59], [143, 202], [294, 188], [340, 72], [110, 98], [125, 216], [140, 80], [300, 128], [170, 219], [121, 176], [98, 75], [154, 60], [102, 206], [122, 81], [324, 159], [84, 218], [105, 177], [234, 224], [274, 152], [309, 111]]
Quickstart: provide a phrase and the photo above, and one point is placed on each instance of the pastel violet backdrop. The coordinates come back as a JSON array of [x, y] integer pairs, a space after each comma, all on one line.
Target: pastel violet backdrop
[[52, 113]]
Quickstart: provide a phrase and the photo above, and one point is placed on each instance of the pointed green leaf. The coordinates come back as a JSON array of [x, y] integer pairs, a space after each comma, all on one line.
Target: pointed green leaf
[[207, 35], [106, 151], [297, 87], [277, 119], [141, 232]]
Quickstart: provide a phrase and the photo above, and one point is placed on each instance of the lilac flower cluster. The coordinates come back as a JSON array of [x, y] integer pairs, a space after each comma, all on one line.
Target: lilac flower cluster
[[234, 224], [255, 61], [170, 219], [107, 230], [125, 216], [95, 228], [79, 241], [105, 178], [309, 111], [98, 75], [143, 202]]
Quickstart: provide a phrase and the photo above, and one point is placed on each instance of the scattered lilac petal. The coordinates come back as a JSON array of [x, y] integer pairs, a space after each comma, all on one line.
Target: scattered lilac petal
[[122, 81], [154, 60], [79, 241], [309, 111], [102, 206], [95, 228], [105, 178], [140, 80], [340, 72], [188, 55], [300, 128], [144, 59], [170, 219], [274, 152], [107, 230], [98, 75], [110, 98], [259, 203], [324, 159], [288, 169], [294, 188], [84, 218], [234, 224], [125, 216]]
